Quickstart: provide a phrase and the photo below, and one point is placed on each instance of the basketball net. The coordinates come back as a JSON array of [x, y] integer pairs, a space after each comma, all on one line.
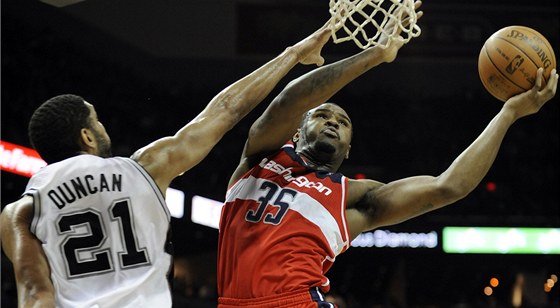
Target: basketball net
[[373, 22]]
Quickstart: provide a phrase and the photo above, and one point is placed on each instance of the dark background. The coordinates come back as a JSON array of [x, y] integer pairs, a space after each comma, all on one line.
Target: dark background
[[151, 66]]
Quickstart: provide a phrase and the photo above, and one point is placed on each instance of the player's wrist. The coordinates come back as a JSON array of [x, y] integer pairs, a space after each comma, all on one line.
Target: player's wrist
[[294, 53]]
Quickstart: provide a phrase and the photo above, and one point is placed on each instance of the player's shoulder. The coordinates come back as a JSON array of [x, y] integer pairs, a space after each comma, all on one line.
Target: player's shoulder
[[357, 188], [21, 208], [364, 183]]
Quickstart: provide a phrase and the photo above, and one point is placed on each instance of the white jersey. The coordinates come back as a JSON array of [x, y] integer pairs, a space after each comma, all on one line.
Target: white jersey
[[103, 224]]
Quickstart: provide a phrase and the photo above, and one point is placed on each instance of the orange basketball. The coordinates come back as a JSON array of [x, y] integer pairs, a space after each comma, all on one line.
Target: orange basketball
[[509, 60]]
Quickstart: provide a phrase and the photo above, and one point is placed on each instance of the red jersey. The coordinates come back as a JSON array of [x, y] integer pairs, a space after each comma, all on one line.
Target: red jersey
[[282, 226]]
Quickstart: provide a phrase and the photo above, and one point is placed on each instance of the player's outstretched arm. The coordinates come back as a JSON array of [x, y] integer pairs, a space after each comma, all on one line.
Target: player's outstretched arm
[[169, 157], [400, 200], [282, 117], [32, 272]]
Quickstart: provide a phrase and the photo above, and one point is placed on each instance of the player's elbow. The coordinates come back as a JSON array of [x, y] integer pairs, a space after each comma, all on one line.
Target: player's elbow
[[451, 191], [36, 292], [37, 298]]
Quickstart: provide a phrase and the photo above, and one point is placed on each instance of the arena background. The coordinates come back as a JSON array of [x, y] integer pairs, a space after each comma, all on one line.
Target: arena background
[[151, 66]]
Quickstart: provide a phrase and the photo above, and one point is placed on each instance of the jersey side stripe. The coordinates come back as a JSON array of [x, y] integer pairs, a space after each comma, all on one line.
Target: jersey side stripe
[[343, 212], [36, 209]]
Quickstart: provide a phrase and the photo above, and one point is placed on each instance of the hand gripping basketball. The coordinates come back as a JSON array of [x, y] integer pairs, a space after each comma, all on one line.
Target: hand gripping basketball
[[531, 101]]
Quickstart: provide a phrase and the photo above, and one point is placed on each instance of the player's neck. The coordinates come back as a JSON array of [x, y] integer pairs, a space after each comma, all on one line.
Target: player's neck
[[314, 164]]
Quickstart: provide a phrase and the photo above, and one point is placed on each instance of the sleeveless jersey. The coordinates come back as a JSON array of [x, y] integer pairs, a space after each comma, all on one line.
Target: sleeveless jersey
[[103, 224], [281, 228]]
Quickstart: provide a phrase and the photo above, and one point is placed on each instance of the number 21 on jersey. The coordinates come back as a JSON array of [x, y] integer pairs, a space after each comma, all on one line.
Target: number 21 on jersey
[[92, 241]]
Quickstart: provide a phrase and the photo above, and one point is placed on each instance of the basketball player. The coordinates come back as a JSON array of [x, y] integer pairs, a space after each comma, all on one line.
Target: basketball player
[[288, 212], [91, 230]]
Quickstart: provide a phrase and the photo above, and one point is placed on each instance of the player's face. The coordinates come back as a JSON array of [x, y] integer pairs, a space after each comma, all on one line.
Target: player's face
[[102, 138], [328, 131]]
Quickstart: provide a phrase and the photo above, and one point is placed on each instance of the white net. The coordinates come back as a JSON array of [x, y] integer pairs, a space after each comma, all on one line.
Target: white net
[[373, 22]]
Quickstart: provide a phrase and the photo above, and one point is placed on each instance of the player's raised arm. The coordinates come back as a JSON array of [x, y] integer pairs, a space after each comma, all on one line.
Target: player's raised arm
[[403, 199], [280, 120], [169, 157]]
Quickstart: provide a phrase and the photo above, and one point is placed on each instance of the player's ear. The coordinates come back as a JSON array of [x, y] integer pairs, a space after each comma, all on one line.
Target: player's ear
[[87, 139], [295, 138], [348, 152]]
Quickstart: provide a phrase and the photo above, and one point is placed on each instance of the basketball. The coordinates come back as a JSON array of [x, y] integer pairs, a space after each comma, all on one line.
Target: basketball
[[509, 60]]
